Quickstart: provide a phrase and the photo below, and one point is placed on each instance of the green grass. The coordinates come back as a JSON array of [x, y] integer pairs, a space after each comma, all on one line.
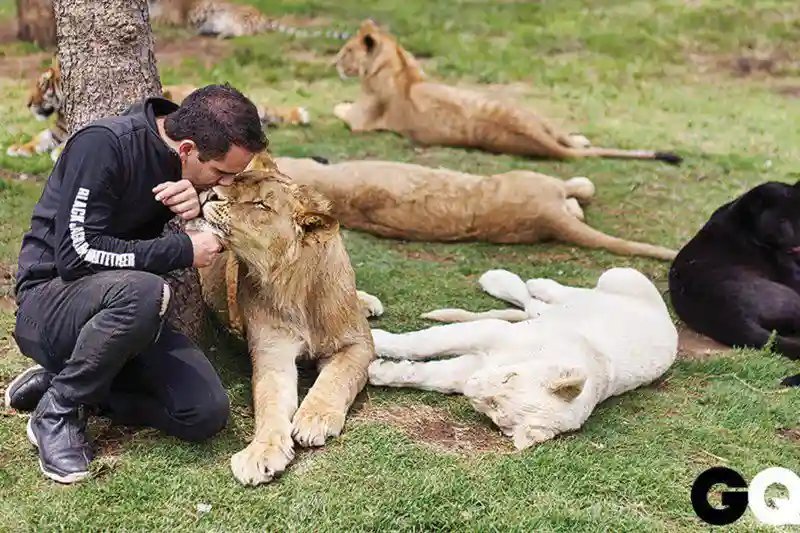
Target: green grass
[[643, 74]]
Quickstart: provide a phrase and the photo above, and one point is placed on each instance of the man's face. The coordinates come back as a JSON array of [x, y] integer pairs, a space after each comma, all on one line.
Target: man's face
[[205, 175]]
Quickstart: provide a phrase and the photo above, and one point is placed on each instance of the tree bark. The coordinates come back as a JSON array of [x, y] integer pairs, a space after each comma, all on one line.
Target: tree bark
[[105, 49], [36, 23]]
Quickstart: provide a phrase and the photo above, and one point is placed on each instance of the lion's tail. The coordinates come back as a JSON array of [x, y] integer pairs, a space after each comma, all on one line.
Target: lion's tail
[[572, 230], [616, 153]]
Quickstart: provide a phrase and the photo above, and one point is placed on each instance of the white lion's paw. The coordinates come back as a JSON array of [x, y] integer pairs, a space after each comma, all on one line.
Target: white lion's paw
[[371, 304], [342, 109], [262, 461], [527, 436], [313, 424], [544, 289], [380, 372], [386, 345]]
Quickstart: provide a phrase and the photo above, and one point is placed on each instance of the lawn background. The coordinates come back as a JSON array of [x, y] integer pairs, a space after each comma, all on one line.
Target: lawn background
[[715, 80]]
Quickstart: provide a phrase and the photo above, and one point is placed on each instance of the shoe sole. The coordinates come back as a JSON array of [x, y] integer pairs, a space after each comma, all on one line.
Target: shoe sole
[[68, 479], [22, 376]]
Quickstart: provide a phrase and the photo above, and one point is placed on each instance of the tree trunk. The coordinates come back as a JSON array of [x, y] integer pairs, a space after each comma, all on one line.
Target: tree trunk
[[36, 23], [105, 49]]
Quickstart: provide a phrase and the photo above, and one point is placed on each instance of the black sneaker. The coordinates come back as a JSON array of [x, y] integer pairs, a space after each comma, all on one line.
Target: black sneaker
[[58, 429], [25, 391]]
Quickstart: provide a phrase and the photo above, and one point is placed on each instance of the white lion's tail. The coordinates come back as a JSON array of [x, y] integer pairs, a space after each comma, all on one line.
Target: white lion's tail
[[501, 284], [461, 315]]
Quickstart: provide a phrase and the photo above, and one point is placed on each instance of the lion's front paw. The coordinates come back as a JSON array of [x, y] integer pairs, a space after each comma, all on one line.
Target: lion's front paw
[[261, 462], [371, 305], [313, 424], [342, 109]]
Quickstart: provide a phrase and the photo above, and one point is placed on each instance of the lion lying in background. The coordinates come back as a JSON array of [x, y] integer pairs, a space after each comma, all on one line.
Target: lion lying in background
[[574, 348], [396, 96], [413, 202], [295, 290]]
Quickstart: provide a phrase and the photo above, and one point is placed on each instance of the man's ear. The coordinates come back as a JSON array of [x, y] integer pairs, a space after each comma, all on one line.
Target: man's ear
[[185, 148], [319, 226]]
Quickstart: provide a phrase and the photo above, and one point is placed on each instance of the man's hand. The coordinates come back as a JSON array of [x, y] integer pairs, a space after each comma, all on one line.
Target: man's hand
[[180, 197], [206, 246]]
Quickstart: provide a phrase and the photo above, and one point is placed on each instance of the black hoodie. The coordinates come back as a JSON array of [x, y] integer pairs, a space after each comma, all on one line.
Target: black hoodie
[[98, 212]]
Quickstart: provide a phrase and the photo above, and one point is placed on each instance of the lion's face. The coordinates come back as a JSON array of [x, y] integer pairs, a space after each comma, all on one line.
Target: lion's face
[[45, 96], [265, 218], [358, 53]]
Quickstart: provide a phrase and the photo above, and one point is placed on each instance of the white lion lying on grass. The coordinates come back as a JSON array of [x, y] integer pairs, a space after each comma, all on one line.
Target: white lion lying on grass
[[570, 349]]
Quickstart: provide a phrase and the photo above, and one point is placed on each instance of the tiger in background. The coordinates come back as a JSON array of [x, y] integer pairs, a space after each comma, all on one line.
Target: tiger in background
[[224, 19], [46, 96], [44, 99]]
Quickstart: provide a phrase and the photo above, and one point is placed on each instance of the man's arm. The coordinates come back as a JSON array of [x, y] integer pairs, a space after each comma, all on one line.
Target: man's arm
[[92, 183]]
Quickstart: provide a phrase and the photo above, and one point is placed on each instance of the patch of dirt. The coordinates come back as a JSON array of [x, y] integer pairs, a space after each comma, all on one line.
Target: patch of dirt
[[7, 301], [792, 91], [749, 63], [172, 50], [23, 67], [19, 176], [436, 428], [692, 345], [109, 438], [18, 67], [790, 433]]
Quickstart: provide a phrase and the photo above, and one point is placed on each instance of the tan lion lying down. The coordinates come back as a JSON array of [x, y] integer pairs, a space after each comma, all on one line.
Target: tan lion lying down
[[413, 202], [294, 290], [395, 96]]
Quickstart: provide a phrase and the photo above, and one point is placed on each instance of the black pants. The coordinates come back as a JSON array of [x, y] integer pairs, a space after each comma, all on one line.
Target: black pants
[[105, 337]]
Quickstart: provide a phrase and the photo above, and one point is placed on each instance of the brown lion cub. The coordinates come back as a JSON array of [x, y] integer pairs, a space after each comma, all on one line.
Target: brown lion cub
[[296, 295], [418, 203], [396, 96]]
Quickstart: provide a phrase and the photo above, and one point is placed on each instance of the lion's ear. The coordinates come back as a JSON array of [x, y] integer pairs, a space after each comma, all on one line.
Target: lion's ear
[[369, 42], [319, 225], [368, 26]]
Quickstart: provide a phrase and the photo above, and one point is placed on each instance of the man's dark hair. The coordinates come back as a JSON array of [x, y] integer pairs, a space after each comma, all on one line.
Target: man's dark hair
[[215, 117]]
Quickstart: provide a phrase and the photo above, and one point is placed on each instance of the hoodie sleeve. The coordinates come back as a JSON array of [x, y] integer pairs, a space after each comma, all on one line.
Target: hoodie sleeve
[[92, 185]]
